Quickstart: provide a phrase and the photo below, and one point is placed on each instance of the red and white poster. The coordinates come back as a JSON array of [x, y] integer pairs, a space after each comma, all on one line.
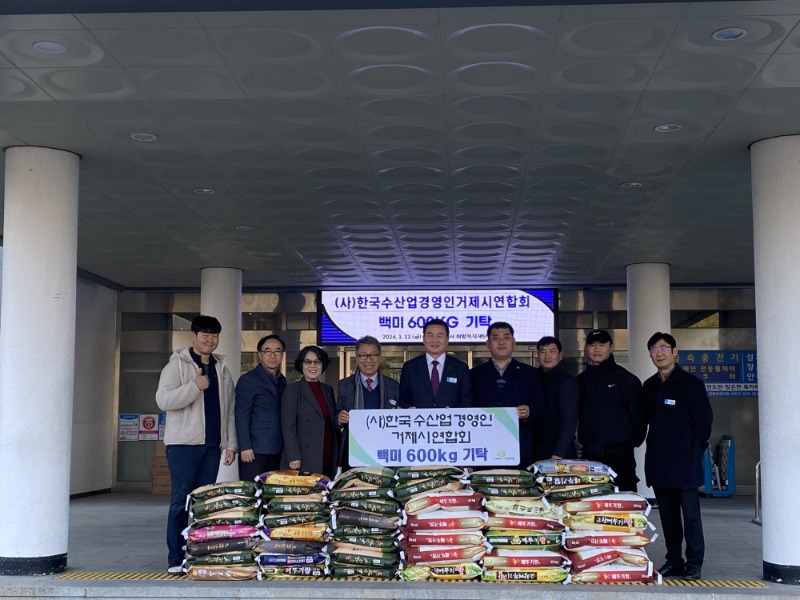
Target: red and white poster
[[148, 427]]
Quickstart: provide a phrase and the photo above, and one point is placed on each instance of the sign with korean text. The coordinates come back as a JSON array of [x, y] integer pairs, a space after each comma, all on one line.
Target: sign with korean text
[[725, 372], [128, 427], [148, 427], [398, 316], [424, 437]]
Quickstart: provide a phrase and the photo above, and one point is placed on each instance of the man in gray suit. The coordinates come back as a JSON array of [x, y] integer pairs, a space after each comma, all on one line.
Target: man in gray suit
[[258, 411], [366, 388]]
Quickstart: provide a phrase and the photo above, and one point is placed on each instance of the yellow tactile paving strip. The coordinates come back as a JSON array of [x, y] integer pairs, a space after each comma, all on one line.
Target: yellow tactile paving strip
[[706, 583]]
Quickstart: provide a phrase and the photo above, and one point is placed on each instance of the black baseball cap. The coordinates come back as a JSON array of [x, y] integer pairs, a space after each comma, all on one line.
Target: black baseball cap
[[599, 335]]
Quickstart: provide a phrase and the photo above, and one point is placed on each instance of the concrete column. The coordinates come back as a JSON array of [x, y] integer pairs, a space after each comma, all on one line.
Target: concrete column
[[648, 312], [37, 357], [776, 213], [221, 297]]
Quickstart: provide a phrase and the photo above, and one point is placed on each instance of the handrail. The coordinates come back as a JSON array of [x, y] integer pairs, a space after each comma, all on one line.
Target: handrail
[[757, 517]]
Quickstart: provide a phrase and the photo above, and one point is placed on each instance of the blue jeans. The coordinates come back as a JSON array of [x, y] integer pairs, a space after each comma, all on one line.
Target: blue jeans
[[190, 467]]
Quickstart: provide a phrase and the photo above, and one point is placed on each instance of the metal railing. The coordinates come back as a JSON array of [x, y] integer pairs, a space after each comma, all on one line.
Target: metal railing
[[757, 516]]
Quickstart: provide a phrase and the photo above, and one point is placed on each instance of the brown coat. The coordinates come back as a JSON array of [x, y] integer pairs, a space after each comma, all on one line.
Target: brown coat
[[304, 427]]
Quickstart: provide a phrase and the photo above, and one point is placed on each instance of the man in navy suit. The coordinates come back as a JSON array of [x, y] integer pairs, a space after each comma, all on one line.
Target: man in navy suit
[[435, 380], [504, 381], [258, 411]]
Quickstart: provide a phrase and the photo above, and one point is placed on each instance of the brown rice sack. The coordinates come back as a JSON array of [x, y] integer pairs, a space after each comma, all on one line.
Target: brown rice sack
[[624, 522], [456, 572], [220, 573], [294, 478], [520, 575], [523, 539], [456, 500]]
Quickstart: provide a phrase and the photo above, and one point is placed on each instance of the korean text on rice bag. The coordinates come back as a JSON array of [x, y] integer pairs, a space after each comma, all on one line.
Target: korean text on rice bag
[[615, 573], [514, 522], [220, 532], [577, 540], [533, 559], [220, 573], [294, 571], [235, 488], [551, 575], [626, 502], [521, 538], [342, 571], [502, 477], [445, 519], [456, 500], [294, 478], [410, 473], [624, 522], [564, 466], [444, 555], [201, 548], [442, 537]]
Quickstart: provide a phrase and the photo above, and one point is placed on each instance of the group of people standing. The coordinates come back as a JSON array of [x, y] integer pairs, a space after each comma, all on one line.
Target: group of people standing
[[302, 425]]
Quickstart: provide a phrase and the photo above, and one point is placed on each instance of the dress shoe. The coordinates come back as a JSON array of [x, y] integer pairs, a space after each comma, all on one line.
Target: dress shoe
[[670, 570], [692, 574]]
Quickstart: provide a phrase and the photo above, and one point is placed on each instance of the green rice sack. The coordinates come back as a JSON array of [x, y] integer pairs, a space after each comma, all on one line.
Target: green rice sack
[[241, 557], [508, 491], [416, 473], [204, 508], [366, 558], [380, 506], [502, 477], [343, 571], [561, 494], [376, 476], [235, 488], [361, 494]]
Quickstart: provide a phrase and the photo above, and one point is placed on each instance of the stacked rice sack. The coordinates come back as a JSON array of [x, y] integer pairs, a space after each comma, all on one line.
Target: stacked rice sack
[[523, 529], [442, 536], [365, 520], [223, 531], [606, 540], [295, 524]]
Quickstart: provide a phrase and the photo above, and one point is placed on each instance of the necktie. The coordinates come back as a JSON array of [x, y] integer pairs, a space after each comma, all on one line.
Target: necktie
[[435, 376], [369, 384]]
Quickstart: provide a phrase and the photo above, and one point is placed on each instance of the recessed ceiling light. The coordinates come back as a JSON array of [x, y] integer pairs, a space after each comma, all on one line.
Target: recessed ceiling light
[[668, 127], [242, 227], [630, 185], [206, 191], [604, 224], [46, 47], [728, 34], [142, 136]]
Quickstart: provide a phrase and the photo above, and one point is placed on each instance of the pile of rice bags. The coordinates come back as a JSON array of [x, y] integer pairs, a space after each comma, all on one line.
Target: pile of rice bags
[[442, 535], [223, 531], [365, 520], [523, 529], [606, 540], [295, 524]]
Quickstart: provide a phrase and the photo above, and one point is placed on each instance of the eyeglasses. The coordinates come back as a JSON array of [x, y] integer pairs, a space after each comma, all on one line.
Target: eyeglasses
[[312, 363], [656, 349], [368, 356], [271, 352]]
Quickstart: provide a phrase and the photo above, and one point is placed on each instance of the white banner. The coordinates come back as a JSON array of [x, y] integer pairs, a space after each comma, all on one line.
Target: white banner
[[417, 437]]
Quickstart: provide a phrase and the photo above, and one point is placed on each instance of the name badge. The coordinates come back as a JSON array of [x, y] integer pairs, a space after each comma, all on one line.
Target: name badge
[[669, 402], [452, 380]]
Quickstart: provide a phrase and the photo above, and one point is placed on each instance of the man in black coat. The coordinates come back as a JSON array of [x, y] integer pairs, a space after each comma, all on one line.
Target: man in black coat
[[679, 414], [554, 430], [258, 411], [504, 381], [612, 420], [435, 380]]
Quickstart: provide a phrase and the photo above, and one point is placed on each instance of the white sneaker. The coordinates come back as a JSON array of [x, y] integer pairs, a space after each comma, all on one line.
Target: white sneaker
[[176, 570]]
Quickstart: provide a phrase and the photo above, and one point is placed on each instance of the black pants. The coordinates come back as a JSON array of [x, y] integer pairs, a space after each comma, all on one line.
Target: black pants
[[674, 503], [623, 464], [261, 464]]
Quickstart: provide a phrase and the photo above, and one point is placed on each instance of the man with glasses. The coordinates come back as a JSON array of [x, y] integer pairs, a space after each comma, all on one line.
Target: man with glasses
[[504, 381], [611, 418], [554, 432], [196, 391], [258, 411], [679, 415], [366, 388]]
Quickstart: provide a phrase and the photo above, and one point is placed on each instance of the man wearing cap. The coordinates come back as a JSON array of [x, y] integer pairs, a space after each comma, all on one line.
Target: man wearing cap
[[554, 431], [679, 414], [611, 418]]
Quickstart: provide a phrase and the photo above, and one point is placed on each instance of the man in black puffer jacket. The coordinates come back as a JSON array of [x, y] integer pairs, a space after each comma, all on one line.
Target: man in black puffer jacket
[[612, 419]]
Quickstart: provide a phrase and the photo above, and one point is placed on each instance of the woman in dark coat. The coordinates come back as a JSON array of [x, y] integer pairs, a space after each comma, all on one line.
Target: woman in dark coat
[[307, 417]]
